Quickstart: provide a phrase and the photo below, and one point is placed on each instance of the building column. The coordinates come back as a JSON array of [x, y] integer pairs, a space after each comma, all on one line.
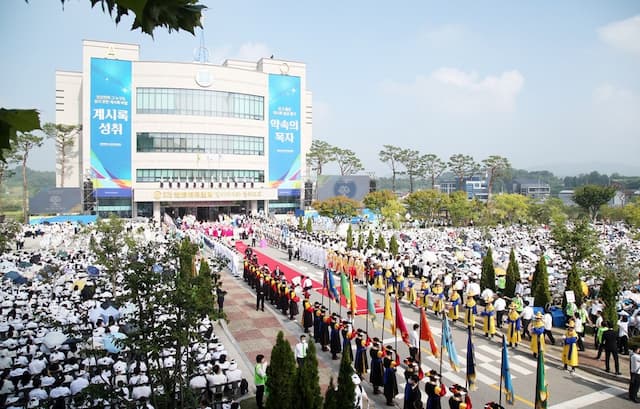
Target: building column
[[253, 206], [134, 210], [156, 211]]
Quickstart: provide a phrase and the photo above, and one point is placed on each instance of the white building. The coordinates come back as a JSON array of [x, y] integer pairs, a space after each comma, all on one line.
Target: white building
[[185, 138]]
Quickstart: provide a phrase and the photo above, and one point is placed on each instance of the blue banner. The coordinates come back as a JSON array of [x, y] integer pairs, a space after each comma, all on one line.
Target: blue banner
[[111, 127], [284, 133]]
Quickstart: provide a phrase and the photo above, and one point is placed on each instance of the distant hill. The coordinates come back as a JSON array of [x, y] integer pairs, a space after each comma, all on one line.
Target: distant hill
[[11, 189]]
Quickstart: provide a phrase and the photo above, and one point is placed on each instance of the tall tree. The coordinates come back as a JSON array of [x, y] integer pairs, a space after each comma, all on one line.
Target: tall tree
[[360, 241], [393, 245], [370, 240], [346, 394], [463, 166], [510, 208], [573, 283], [281, 375], [410, 159], [25, 142], [494, 165], [513, 275], [338, 208], [309, 395], [330, 396], [578, 245], [488, 273], [391, 155], [110, 243], [5, 165], [348, 162], [433, 166], [461, 210], [64, 137], [609, 294], [380, 243], [540, 284], [393, 213], [320, 154], [426, 204], [349, 237], [592, 197], [13, 121], [375, 201]]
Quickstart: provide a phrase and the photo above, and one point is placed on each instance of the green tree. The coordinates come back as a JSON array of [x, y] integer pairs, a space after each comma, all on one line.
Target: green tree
[[309, 226], [426, 204], [25, 142], [300, 223], [432, 166], [546, 212], [348, 162], [463, 166], [488, 274], [281, 375], [631, 214], [393, 245], [513, 275], [620, 264], [349, 237], [338, 208], [380, 243], [391, 155], [574, 284], [330, 399], [461, 210], [540, 284], [110, 246], [346, 394], [495, 166], [592, 197], [12, 122], [375, 201], [64, 137], [393, 213], [9, 230], [7, 159], [410, 159], [320, 154], [360, 241], [308, 393], [609, 293], [370, 240], [510, 208]]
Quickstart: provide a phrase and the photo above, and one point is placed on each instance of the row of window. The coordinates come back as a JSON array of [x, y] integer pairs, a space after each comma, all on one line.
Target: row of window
[[156, 175], [200, 143], [178, 101]]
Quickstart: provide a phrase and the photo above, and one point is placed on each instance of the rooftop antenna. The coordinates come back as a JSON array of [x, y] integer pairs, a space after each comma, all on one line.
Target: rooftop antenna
[[201, 55]]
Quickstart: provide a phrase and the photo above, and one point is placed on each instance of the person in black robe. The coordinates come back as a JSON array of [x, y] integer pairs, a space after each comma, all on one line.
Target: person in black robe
[[376, 376], [390, 382], [412, 395], [336, 345], [360, 362], [460, 399], [317, 321], [293, 304], [307, 315], [435, 390], [324, 329], [347, 336]]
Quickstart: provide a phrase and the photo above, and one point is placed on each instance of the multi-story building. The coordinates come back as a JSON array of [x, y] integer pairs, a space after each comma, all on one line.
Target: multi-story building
[[185, 137], [532, 188]]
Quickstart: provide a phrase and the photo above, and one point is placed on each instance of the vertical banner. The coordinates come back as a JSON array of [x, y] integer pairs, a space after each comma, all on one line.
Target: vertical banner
[[111, 127], [284, 134]]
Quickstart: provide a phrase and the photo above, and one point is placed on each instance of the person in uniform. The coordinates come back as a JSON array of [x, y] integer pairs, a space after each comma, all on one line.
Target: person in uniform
[[471, 310], [489, 315], [324, 329], [454, 309], [437, 298], [570, 348], [336, 345], [460, 398], [390, 382], [513, 326], [412, 395], [360, 363], [307, 315], [376, 376], [423, 295], [435, 390], [537, 334], [294, 299], [348, 334], [317, 321]]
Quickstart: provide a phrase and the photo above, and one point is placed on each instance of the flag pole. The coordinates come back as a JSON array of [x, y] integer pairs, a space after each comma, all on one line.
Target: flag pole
[[368, 317], [325, 284], [395, 329], [466, 379], [419, 340], [441, 345], [501, 371], [384, 310]]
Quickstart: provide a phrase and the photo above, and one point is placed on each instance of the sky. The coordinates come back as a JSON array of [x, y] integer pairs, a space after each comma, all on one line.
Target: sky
[[547, 84]]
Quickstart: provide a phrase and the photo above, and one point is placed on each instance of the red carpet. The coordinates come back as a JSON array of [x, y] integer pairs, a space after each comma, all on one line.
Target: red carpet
[[291, 274]]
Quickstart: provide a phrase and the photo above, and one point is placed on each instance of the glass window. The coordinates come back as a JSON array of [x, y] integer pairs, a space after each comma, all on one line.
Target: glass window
[[200, 143]]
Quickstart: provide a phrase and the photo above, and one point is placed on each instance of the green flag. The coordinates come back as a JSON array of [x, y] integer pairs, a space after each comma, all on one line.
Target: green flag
[[344, 284], [541, 385]]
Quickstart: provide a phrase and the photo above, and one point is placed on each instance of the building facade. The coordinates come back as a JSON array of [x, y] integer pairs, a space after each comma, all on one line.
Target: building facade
[[185, 138], [532, 188]]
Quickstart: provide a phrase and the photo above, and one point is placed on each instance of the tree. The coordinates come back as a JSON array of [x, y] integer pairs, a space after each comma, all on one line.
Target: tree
[[510, 208], [320, 154], [338, 208], [513, 275], [281, 375], [494, 165], [309, 226], [391, 155], [308, 393], [110, 245], [426, 204], [346, 393], [349, 237], [393, 245], [623, 268], [488, 274], [13, 121], [540, 284], [380, 243], [375, 201], [360, 241], [9, 230], [25, 142], [64, 137], [370, 240], [330, 401], [463, 166], [609, 293], [592, 197], [578, 245], [300, 223], [461, 210], [433, 166], [9, 159], [410, 159], [547, 211], [573, 283], [393, 213], [348, 162]]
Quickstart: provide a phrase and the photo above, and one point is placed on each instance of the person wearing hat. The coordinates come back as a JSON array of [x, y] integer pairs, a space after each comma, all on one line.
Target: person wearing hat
[[336, 345], [437, 298], [435, 390], [454, 309], [570, 349], [471, 310], [325, 326], [489, 319], [412, 395], [513, 326], [307, 314], [317, 321], [376, 376], [390, 382], [360, 362], [537, 334], [460, 398]]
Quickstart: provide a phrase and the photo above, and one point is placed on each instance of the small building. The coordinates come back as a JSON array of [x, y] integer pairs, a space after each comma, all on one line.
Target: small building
[[567, 197], [532, 188]]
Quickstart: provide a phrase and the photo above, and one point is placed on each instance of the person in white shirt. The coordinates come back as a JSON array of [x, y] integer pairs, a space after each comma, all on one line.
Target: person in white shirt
[[301, 350], [623, 334], [37, 392], [500, 305], [233, 373], [634, 385], [548, 324], [414, 342], [526, 316], [579, 328], [78, 384], [218, 377]]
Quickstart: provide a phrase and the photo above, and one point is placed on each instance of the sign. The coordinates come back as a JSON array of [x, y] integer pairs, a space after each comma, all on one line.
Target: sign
[[56, 201], [570, 296], [203, 195], [110, 113], [353, 187], [284, 133]]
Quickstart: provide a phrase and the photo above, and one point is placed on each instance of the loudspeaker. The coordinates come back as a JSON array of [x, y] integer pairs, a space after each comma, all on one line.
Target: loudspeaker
[[308, 193], [372, 185]]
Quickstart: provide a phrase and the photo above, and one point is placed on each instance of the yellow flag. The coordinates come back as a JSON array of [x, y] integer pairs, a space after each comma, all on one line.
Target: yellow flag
[[387, 312]]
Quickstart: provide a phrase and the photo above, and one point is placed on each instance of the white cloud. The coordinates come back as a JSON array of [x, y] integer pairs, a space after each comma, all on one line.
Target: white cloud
[[444, 35], [623, 34], [455, 91]]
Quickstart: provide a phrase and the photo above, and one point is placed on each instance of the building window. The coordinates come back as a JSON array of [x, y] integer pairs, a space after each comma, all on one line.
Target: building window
[[200, 143], [208, 175], [178, 101]]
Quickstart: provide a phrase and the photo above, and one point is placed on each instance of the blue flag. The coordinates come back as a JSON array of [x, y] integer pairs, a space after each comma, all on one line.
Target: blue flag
[[371, 309], [448, 345], [333, 292], [471, 363], [506, 374]]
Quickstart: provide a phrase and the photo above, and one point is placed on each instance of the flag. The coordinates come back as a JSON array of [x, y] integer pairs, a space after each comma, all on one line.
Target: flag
[[541, 387], [506, 374], [330, 285], [387, 312], [344, 288], [471, 363], [370, 306], [354, 301], [426, 334], [448, 346], [401, 325]]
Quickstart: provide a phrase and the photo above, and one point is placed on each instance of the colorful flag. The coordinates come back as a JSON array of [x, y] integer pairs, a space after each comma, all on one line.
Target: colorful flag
[[542, 393], [387, 312], [331, 286], [354, 301], [506, 374], [370, 305], [426, 334], [471, 363], [448, 346], [401, 325], [344, 288]]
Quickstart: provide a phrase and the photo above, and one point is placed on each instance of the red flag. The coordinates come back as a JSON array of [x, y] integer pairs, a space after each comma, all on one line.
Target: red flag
[[401, 325], [426, 334]]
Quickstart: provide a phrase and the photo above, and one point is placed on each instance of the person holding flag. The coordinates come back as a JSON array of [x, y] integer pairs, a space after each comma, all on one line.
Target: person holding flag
[[460, 398], [360, 362], [435, 390], [489, 314], [376, 376], [324, 329], [542, 394], [390, 381], [537, 334]]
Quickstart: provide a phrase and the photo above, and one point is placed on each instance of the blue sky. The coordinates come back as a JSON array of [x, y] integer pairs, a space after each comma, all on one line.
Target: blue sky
[[550, 85]]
